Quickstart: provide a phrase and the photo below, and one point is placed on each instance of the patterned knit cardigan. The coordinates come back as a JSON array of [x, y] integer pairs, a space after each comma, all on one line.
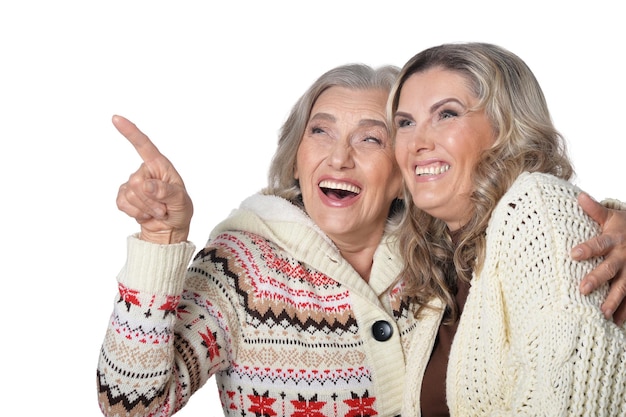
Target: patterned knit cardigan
[[528, 343], [271, 308]]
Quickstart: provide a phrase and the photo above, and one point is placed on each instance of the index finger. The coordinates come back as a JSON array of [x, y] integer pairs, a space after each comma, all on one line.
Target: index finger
[[142, 144]]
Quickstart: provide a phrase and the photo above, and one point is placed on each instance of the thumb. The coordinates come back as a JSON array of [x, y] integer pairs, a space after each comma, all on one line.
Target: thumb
[[150, 187], [593, 209]]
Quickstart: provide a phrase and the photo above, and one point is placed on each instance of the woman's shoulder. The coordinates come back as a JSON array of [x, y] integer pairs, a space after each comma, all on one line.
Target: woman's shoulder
[[531, 191], [538, 201], [235, 241], [544, 183]]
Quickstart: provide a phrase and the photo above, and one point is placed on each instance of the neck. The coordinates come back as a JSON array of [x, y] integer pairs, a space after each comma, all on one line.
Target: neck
[[359, 251], [361, 261]]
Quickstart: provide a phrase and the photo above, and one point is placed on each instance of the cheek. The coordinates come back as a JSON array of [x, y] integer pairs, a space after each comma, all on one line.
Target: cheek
[[395, 186], [391, 180], [300, 163], [399, 153], [403, 164], [474, 150]]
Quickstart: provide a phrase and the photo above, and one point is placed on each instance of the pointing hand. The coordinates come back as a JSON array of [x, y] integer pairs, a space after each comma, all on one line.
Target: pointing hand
[[155, 194]]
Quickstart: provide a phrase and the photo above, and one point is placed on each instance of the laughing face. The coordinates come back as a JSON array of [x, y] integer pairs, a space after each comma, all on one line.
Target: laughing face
[[439, 140], [346, 167]]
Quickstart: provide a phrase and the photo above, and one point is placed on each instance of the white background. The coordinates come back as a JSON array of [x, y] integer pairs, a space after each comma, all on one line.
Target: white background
[[211, 83]]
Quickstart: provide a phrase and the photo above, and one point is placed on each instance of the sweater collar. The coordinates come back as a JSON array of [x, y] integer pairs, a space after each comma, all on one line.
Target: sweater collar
[[288, 226]]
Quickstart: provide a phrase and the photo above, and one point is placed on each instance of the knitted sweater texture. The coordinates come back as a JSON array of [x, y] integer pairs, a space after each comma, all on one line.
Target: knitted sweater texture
[[270, 308], [528, 343]]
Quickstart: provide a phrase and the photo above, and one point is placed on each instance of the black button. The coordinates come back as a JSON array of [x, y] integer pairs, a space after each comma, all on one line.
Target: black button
[[382, 330]]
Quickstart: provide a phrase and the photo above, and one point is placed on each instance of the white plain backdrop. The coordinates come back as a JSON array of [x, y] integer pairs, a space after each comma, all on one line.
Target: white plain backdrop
[[211, 83]]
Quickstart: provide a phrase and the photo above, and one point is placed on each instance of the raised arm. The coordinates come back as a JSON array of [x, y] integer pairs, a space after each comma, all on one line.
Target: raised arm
[[140, 373], [612, 245]]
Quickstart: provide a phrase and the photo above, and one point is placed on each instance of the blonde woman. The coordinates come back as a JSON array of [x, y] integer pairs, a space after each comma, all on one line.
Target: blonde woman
[[488, 240]]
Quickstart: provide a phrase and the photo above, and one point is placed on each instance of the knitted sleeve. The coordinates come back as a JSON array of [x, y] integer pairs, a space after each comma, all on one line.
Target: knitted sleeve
[[529, 343], [165, 338], [614, 204]]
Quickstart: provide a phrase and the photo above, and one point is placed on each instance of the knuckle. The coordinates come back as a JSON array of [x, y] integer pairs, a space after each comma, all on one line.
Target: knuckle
[[603, 273], [610, 269], [593, 280], [121, 200], [618, 285], [603, 243]]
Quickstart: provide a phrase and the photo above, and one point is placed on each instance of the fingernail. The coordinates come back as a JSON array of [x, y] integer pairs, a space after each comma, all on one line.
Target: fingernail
[[586, 288], [148, 187], [577, 253], [608, 313]]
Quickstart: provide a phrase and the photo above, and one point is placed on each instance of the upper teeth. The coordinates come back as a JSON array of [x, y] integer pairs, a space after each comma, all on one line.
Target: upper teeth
[[431, 170], [340, 186]]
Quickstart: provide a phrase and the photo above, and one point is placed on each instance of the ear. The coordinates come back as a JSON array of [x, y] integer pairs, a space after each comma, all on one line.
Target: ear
[[296, 176]]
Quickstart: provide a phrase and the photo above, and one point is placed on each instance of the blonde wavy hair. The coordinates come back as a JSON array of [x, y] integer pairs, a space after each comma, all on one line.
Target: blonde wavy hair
[[526, 140]]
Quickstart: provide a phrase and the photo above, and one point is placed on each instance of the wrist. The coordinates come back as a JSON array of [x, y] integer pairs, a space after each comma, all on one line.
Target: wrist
[[168, 237]]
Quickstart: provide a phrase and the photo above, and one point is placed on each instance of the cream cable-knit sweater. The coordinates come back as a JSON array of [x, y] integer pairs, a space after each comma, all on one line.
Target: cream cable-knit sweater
[[270, 308], [528, 343]]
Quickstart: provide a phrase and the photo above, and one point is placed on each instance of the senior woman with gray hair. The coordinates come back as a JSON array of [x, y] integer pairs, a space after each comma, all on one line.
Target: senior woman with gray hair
[[293, 304]]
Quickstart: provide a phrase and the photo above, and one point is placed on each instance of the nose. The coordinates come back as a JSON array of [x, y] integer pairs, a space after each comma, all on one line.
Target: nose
[[420, 139], [341, 155]]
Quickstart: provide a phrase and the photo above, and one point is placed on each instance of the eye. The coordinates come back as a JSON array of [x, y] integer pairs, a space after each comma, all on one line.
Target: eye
[[373, 136], [447, 114], [403, 122], [319, 130], [372, 139]]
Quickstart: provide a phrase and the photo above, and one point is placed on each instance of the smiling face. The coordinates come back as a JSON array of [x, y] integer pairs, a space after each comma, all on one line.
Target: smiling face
[[439, 140], [346, 167]]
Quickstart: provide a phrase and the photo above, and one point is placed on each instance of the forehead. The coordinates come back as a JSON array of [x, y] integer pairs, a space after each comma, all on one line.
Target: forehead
[[437, 82], [359, 103]]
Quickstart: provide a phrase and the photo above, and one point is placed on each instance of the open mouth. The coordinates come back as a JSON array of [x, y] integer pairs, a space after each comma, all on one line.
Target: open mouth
[[339, 190], [431, 170]]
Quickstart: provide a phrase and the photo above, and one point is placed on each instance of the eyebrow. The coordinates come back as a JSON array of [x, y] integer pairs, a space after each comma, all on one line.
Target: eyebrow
[[363, 122], [445, 101], [403, 115], [432, 108]]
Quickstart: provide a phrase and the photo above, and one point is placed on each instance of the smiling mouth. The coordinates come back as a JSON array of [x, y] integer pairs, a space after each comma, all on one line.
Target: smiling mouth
[[431, 170], [339, 190]]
